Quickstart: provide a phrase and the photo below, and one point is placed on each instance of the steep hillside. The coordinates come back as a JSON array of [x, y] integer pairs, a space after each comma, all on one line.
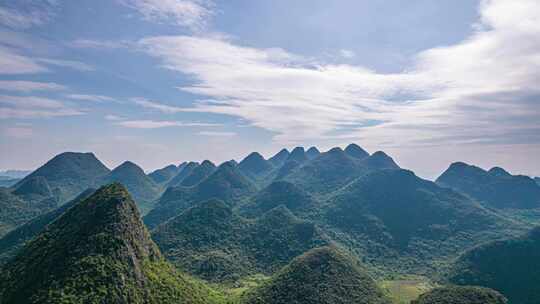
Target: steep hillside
[[298, 154], [312, 152], [15, 211], [255, 166], [97, 252], [322, 275], [182, 174], [509, 266], [331, 170], [69, 174], [164, 175], [356, 151], [198, 174], [227, 183], [461, 295], [281, 193], [495, 188], [12, 242], [409, 223], [212, 242], [279, 158], [142, 188]]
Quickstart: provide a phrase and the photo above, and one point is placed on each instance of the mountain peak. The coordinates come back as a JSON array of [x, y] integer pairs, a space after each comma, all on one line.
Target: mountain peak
[[335, 150], [312, 152], [380, 160], [298, 154], [321, 273], [128, 166], [356, 151], [254, 164], [498, 171], [279, 158]]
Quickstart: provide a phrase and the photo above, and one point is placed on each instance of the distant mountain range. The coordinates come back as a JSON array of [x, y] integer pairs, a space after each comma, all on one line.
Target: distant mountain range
[[263, 230]]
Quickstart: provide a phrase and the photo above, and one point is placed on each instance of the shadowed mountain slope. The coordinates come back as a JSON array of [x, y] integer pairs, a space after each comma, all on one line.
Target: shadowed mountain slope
[[496, 188], [510, 266], [164, 175], [461, 295]]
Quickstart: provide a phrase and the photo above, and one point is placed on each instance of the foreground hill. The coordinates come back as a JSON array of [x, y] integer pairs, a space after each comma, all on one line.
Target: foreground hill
[[392, 215], [227, 183], [69, 174], [496, 187], [140, 186], [212, 242], [509, 266], [461, 295], [322, 275], [97, 252]]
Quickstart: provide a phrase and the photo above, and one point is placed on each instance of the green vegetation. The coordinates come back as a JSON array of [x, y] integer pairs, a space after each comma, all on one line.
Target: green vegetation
[[15, 211], [198, 174], [509, 266], [142, 187], [404, 290], [212, 242], [69, 174], [97, 252], [496, 187], [164, 175], [183, 172], [461, 295], [255, 166], [322, 275], [227, 183], [12, 242]]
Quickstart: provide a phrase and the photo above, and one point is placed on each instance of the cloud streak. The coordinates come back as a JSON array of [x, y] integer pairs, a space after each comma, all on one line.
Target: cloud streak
[[153, 124], [27, 107], [29, 86], [452, 94]]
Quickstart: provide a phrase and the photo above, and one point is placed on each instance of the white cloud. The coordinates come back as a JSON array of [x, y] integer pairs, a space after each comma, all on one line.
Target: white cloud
[[99, 44], [193, 14], [457, 93], [113, 117], [217, 134], [347, 54], [12, 63], [75, 65], [152, 124], [87, 97], [33, 107], [23, 14], [29, 86], [157, 106]]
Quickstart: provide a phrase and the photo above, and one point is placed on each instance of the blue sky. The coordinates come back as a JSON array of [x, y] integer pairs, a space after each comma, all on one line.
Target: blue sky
[[163, 81]]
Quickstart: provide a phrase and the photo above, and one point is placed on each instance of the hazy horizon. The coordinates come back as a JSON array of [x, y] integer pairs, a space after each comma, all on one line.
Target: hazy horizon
[[160, 82]]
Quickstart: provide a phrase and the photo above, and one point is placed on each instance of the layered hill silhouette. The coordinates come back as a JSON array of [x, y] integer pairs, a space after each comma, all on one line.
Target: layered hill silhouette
[[393, 212], [334, 169], [279, 158], [255, 166], [183, 172], [69, 174], [461, 295], [227, 183], [496, 187], [509, 266], [198, 174], [322, 275], [100, 252], [164, 175], [212, 242], [143, 189]]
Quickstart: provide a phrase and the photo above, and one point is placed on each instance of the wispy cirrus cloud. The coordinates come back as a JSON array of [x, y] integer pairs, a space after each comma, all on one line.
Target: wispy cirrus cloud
[[71, 64], [217, 133], [13, 63], [23, 14], [29, 86], [145, 103], [193, 14], [156, 124], [90, 97], [26, 107], [451, 94]]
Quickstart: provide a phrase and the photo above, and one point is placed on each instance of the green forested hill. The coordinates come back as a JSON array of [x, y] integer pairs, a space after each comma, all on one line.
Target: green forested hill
[[164, 175], [510, 266], [227, 183], [322, 275], [496, 187], [212, 242], [461, 295], [69, 174], [97, 252]]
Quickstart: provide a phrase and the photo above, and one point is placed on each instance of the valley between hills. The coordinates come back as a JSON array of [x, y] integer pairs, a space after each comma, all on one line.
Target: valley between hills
[[303, 226]]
